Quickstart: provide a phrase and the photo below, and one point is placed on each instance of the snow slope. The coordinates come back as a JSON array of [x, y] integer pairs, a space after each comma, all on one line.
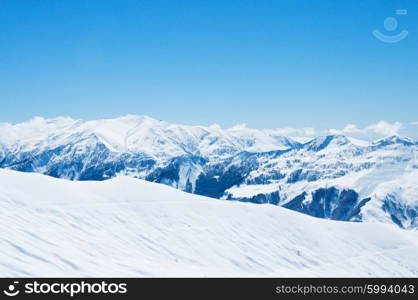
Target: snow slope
[[129, 227]]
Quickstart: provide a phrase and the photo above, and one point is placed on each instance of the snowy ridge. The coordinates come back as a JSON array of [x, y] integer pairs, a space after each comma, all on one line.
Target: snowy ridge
[[140, 134], [129, 227], [380, 181]]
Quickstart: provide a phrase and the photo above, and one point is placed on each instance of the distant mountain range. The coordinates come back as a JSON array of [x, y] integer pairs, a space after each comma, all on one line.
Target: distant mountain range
[[333, 177]]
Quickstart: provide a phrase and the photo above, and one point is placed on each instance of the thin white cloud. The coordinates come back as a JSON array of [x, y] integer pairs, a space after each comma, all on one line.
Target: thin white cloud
[[351, 128], [371, 132], [382, 128], [239, 127], [285, 131], [334, 131], [385, 128], [348, 129], [215, 127], [290, 131]]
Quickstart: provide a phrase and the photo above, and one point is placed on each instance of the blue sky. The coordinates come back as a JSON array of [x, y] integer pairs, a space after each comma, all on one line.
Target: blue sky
[[268, 64]]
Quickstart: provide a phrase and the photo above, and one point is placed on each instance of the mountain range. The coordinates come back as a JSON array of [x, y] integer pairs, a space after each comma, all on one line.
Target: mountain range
[[333, 177]]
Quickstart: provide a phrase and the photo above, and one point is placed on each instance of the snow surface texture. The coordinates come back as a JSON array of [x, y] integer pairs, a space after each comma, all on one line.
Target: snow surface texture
[[333, 177], [130, 227]]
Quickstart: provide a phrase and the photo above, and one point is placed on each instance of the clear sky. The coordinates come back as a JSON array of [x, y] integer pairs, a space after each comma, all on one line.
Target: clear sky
[[268, 64]]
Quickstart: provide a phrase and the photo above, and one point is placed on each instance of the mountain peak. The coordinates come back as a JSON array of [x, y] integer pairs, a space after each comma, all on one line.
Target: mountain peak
[[395, 139], [322, 142]]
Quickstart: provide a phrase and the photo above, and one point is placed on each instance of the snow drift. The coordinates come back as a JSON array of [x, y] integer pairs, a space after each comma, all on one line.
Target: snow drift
[[129, 227]]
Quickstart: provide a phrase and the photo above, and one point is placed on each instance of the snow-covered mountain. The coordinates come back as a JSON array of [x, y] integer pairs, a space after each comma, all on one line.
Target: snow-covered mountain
[[334, 177], [138, 134], [129, 227]]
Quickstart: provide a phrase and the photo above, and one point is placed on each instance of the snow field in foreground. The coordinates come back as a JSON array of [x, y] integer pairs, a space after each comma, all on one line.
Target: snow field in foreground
[[130, 227]]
